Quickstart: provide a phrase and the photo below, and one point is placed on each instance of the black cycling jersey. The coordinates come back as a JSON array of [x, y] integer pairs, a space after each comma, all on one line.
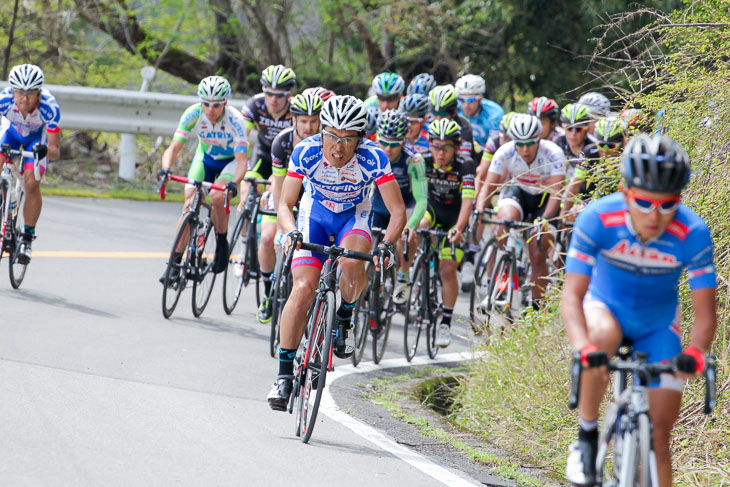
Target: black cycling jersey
[[281, 150], [573, 159], [256, 114], [447, 187], [591, 158]]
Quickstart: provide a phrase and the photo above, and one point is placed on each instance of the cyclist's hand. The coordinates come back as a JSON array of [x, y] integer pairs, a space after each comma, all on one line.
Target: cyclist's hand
[[411, 236], [292, 237], [691, 362], [163, 174], [40, 150], [455, 236], [590, 356], [232, 190], [384, 250], [541, 224]]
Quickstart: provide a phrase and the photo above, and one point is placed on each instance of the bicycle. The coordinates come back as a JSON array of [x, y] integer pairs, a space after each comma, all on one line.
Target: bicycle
[[484, 264], [375, 308], [626, 421], [195, 261], [422, 308], [316, 359], [12, 194], [243, 261], [280, 289]]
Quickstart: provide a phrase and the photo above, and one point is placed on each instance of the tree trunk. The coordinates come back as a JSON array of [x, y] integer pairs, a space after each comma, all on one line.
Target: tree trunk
[[11, 34]]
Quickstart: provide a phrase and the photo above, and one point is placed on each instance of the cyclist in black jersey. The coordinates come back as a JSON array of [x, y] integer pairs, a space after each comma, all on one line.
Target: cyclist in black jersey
[[450, 176], [576, 119]]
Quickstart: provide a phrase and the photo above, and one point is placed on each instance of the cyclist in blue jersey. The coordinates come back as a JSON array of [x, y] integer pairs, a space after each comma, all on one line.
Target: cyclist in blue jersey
[[483, 114], [339, 166], [33, 115], [421, 84], [388, 88], [625, 260], [220, 157], [416, 108]]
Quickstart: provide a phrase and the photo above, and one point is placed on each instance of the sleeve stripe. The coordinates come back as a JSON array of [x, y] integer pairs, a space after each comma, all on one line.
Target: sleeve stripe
[[385, 178], [709, 269], [295, 174], [53, 130], [577, 254]]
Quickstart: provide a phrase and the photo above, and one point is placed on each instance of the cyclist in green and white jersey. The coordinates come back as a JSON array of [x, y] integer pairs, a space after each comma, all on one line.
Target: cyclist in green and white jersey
[[443, 100], [221, 156], [576, 120], [388, 88]]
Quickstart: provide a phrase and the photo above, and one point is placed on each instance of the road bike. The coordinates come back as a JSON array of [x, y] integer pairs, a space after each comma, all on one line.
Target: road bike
[[193, 251], [280, 289], [12, 198], [627, 422], [243, 261], [315, 360]]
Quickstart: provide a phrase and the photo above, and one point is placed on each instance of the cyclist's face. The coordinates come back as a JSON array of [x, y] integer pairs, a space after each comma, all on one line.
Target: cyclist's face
[[26, 100], [276, 100], [576, 137], [548, 125], [306, 125], [470, 108], [443, 151], [393, 152], [339, 151], [415, 127], [648, 225], [388, 102], [213, 112], [528, 153]]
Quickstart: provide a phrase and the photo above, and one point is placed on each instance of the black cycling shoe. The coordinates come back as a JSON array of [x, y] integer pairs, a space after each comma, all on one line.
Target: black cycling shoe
[[344, 345], [221, 255], [279, 395], [175, 271], [580, 469]]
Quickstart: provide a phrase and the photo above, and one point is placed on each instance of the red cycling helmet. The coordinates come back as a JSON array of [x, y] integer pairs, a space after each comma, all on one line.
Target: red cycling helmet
[[542, 106]]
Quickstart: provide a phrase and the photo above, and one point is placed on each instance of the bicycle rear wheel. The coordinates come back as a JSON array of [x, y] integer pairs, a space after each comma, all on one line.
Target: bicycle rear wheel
[[204, 277], [280, 293], [361, 319], [317, 360], [176, 274], [233, 275], [384, 311], [415, 308], [5, 241], [501, 289], [477, 316], [434, 311]]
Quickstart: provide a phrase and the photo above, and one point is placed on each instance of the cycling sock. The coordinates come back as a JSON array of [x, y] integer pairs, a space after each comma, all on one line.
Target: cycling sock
[[344, 312], [267, 282], [29, 230], [587, 426], [402, 276], [286, 361], [221, 236], [446, 316]]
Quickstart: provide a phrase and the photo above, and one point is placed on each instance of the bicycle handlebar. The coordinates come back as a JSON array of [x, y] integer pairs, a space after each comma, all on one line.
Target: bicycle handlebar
[[197, 184], [427, 232], [10, 153], [335, 251], [255, 180]]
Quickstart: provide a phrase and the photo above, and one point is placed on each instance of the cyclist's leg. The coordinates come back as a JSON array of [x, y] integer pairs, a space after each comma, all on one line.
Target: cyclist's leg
[[33, 198], [354, 235], [538, 246], [217, 198], [509, 207]]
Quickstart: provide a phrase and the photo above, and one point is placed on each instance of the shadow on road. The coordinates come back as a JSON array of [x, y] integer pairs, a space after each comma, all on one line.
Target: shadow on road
[[329, 445], [56, 301], [260, 332]]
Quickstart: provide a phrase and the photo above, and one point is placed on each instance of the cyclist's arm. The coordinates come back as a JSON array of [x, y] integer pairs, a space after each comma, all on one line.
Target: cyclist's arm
[[390, 192], [494, 180], [54, 145], [702, 283], [289, 195], [705, 322], [170, 154], [570, 191], [574, 321], [554, 185], [241, 167], [419, 188], [482, 169]]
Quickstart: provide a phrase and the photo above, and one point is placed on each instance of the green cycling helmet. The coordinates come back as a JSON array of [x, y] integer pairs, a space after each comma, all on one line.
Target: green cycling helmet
[[575, 113], [444, 129], [214, 88], [305, 104], [506, 119], [443, 99], [610, 130], [388, 84], [278, 76]]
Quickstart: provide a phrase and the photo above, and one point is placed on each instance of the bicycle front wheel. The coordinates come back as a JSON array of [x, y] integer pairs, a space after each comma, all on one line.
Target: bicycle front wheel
[[15, 268], [415, 308], [434, 311], [317, 358], [501, 289], [205, 249], [648, 475], [5, 239], [233, 275], [384, 309], [280, 293], [361, 319], [177, 266], [478, 294]]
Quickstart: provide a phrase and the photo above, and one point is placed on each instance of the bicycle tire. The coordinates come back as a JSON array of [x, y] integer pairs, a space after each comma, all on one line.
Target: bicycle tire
[[322, 325], [384, 311], [278, 288], [629, 458], [501, 286], [204, 275], [361, 318], [233, 284], [477, 318], [252, 261], [16, 270], [3, 235], [414, 315], [170, 288], [647, 461], [434, 310]]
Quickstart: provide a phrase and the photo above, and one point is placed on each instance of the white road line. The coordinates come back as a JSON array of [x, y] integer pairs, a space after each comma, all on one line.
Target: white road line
[[430, 468]]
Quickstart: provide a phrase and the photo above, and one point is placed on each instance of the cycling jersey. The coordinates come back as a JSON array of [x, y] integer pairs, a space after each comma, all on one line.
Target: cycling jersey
[[486, 122], [573, 159], [34, 128], [532, 178], [490, 147], [448, 186], [409, 172], [582, 166], [421, 143], [639, 282], [281, 150], [257, 116], [467, 137]]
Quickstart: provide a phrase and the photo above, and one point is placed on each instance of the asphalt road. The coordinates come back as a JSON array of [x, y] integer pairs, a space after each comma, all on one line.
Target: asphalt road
[[96, 387]]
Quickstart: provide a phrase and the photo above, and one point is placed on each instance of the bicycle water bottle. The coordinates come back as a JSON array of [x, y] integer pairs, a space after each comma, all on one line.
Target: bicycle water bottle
[[518, 249], [431, 269], [201, 235]]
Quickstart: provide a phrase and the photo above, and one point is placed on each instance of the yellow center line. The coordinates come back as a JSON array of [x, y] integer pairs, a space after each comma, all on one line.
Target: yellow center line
[[74, 254]]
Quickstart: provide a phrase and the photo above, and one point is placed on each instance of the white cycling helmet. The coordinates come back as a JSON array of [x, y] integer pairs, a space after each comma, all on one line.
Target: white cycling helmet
[[524, 128], [214, 88], [344, 112], [26, 77], [471, 84], [597, 104]]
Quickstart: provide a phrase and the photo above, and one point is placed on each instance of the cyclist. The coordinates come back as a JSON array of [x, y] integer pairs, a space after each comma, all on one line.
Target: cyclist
[[305, 108], [483, 114], [339, 165], [450, 175], [373, 113], [220, 156], [410, 173], [33, 115], [421, 84], [548, 112], [598, 105], [388, 88], [443, 100], [416, 108], [493, 143], [534, 171], [576, 120], [635, 120], [621, 284]]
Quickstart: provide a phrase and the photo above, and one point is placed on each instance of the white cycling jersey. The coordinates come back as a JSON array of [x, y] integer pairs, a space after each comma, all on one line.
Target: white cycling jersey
[[550, 161]]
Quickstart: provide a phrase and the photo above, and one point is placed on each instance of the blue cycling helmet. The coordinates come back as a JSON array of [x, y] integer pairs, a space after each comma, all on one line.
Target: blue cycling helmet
[[422, 84], [415, 104], [655, 163]]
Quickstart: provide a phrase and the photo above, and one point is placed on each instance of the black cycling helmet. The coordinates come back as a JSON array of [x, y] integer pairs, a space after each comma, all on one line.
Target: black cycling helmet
[[655, 163]]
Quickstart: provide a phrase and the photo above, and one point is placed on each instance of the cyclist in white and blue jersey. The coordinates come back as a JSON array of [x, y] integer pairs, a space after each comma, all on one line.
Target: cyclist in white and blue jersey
[[625, 260], [483, 114], [336, 167], [33, 122]]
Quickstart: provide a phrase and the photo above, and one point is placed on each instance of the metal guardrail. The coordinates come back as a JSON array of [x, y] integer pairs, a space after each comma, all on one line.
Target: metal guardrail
[[121, 111]]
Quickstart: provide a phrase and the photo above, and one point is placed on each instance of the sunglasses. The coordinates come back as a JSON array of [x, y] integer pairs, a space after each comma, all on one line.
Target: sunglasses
[[443, 148], [470, 99], [386, 143], [578, 129], [389, 97], [647, 205], [277, 94], [528, 143], [346, 141], [25, 94], [415, 120], [442, 114], [608, 145], [214, 104]]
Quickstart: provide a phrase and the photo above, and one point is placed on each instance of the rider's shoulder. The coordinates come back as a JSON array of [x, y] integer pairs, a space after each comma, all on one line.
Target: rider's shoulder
[[548, 146], [505, 150], [690, 221]]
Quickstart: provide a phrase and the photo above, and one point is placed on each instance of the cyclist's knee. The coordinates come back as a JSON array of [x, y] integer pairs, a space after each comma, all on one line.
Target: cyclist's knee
[[351, 267], [447, 269]]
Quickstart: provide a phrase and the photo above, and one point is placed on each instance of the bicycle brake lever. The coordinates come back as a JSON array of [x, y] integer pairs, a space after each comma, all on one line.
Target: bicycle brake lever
[[163, 183], [226, 202], [710, 385], [575, 369]]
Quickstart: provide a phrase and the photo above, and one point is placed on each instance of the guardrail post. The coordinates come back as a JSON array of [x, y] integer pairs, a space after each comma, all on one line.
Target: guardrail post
[[128, 143]]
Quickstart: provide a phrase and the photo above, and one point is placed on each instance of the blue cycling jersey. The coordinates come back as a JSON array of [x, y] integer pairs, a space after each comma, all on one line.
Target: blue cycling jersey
[[486, 121], [639, 282]]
